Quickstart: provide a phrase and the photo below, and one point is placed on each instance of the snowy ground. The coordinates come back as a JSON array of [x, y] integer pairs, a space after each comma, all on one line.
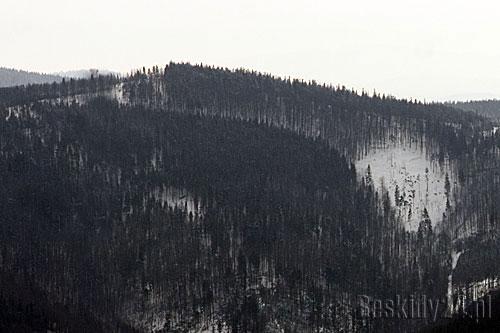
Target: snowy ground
[[176, 198], [419, 184], [454, 261], [474, 291]]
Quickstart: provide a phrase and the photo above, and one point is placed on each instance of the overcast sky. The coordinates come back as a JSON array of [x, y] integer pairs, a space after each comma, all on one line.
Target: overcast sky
[[426, 49]]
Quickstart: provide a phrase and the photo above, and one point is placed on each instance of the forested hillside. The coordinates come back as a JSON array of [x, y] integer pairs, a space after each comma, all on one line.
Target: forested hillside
[[197, 198]]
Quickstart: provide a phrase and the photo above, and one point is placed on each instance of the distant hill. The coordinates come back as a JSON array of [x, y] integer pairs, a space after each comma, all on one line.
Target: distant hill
[[85, 73], [14, 77], [488, 108]]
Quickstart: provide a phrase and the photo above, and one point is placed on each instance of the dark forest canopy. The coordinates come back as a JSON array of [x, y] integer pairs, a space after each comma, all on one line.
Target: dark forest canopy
[[201, 197], [242, 81], [281, 217], [245, 82]]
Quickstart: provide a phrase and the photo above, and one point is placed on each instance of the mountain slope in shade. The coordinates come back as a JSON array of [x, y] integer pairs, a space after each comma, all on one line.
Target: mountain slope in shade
[[331, 244], [14, 77]]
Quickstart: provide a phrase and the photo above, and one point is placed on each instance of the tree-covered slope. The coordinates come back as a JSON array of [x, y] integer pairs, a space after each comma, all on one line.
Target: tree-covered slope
[[176, 221], [207, 198]]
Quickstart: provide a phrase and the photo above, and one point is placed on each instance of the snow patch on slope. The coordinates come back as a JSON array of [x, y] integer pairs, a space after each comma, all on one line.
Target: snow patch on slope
[[454, 261], [411, 180]]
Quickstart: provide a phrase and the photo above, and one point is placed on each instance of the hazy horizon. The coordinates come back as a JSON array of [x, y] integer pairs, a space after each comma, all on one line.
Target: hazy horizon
[[417, 49]]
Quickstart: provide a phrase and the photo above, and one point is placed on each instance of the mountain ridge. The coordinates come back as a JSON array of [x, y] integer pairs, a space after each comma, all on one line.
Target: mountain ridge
[[191, 143]]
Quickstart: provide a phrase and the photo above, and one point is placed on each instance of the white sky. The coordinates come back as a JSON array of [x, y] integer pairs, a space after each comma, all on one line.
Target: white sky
[[426, 49]]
